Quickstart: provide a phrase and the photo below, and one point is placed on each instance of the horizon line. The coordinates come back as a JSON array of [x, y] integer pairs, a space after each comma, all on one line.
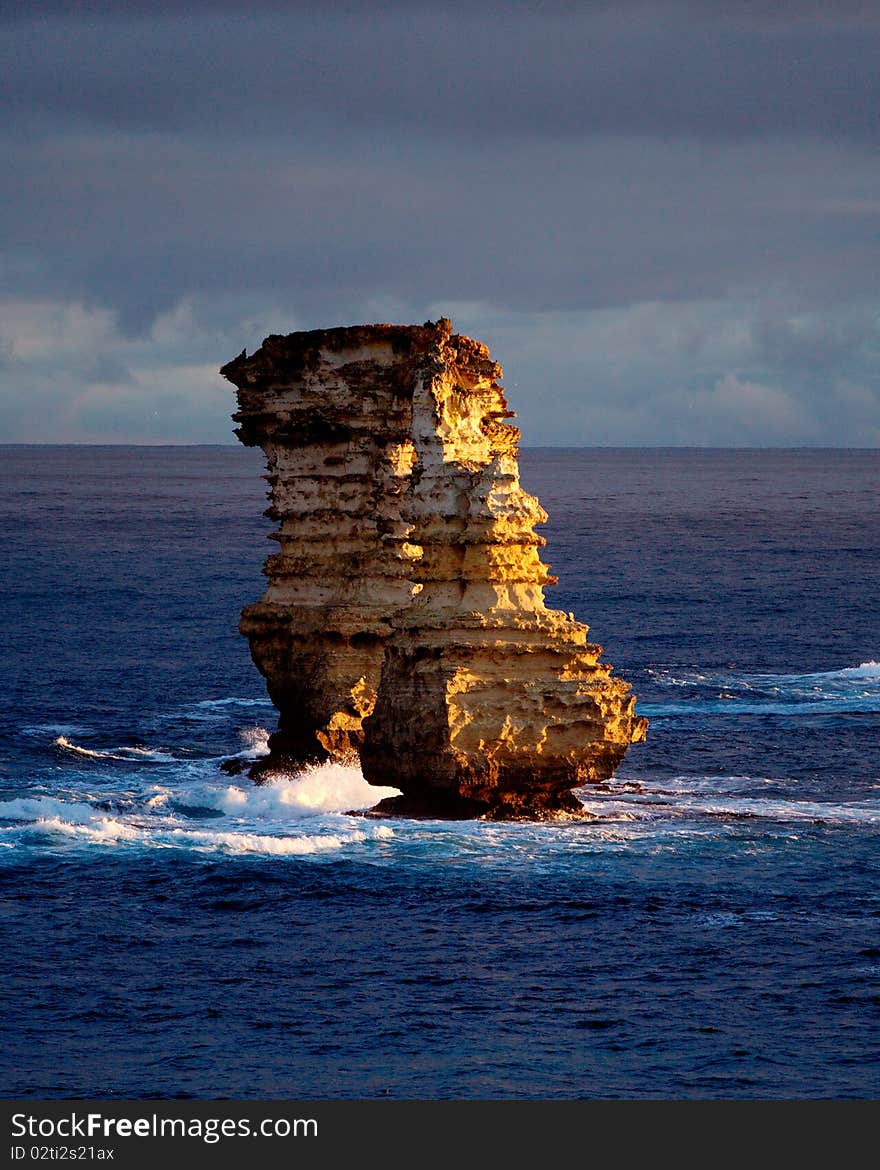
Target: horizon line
[[122, 444]]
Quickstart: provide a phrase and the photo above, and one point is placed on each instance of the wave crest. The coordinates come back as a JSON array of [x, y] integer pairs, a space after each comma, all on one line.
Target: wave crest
[[129, 755], [321, 788]]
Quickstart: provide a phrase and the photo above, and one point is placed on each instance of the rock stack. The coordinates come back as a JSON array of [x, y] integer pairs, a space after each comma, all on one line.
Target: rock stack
[[404, 622]]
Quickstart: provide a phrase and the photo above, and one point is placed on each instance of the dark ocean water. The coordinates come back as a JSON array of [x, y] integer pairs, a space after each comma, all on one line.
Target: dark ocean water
[[714, 932]]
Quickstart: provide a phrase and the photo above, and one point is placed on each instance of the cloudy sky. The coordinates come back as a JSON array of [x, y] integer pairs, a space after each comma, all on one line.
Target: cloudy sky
[[662, 217]]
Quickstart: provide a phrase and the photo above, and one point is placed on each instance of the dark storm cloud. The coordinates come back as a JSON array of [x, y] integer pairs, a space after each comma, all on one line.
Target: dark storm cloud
[[558, 73], [137, 228], [760, 10], [179, 181], [813, 347]]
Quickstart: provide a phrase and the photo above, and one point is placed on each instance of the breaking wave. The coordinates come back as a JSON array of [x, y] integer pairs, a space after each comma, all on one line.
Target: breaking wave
[[299, 846], [250, 820], [323, 788], [731, 797], [46, 808], [851, 690], [127, 754], [104, 792]]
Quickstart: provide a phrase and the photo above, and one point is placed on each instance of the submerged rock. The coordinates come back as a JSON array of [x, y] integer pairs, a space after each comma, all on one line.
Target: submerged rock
[[404, 622]]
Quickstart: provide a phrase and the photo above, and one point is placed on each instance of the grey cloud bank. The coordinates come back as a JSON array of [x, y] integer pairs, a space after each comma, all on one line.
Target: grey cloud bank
[[662, 218]]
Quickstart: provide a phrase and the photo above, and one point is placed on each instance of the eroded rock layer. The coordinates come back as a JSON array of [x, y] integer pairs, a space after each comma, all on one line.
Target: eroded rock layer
[[404, 619]]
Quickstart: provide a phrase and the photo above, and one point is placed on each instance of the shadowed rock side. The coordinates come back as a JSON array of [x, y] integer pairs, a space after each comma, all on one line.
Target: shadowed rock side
[[404, 620]]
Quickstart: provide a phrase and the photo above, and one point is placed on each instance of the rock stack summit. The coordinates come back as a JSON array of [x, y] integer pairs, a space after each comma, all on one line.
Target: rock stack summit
[[404, 623]]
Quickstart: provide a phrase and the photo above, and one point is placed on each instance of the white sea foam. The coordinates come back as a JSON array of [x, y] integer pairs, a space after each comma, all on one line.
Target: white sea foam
[[232, 701], [194, 807], [323, 788], [126, 754], [859, 812], [101, 830], [676, 677], [299, 846], [33, 808], [717, 796], [155, 827], [146, 754], [47, 815], [853, 689], [256, 743], [256, 740], [63, 742], [863, 670]]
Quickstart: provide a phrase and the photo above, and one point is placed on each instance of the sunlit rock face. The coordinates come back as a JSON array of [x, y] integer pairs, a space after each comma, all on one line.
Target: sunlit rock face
[[333, 411], [404, 621]]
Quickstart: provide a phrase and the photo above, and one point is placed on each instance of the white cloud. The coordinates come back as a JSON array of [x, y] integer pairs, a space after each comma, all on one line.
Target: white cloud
[[714, 372], [36, 329], [752, 413], [70, 375]]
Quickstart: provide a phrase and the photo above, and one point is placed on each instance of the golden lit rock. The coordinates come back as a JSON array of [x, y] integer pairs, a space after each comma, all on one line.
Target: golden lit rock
[[404, 620]]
